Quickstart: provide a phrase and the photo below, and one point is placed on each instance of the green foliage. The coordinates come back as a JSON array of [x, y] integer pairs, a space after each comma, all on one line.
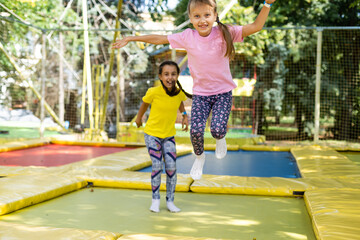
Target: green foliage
[[316, 13], [253, 46], [43, 14], [23, 42], [335, 93], [292, 81], [180, 13]]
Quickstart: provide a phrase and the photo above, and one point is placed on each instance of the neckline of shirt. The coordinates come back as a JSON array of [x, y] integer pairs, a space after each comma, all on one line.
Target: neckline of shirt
[[207, 38]]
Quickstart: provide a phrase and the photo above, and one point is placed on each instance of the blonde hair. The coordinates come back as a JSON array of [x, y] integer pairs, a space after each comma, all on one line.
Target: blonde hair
[[230, 49]]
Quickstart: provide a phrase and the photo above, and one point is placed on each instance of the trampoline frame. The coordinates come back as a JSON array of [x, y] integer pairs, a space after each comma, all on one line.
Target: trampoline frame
[[323, 170]]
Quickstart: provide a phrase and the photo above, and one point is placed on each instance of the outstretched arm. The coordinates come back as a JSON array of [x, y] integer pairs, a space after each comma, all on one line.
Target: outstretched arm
[[259, 22], [185, 122], [144, 106], [153, 39]]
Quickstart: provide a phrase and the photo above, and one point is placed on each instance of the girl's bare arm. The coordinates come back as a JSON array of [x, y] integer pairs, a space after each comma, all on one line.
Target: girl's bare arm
[[153, 39], [185, 122], [259, 22], [144, 106]]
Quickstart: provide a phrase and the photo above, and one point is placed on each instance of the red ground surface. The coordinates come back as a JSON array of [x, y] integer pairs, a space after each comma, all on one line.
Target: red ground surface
[[54, 155]]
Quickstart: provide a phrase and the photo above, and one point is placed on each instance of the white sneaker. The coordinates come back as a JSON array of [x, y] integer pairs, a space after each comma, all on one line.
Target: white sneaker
[[197, 168], [172, 208], [155, 205], [221, 148]]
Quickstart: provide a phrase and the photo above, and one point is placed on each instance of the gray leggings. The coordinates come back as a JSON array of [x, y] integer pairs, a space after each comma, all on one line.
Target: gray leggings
[[159, 148]]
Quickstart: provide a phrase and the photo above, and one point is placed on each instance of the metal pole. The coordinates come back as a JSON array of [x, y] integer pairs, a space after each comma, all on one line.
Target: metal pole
[[97, 72], [118, 108], [318, 85], [61, 68], [173, 54], [122, 86], [42, 102], [83, 96], [61, 81], [88, 65], [111, 64]]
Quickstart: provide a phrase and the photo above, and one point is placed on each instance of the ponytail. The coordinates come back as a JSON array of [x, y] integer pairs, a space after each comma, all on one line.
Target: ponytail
[[230, 49], [187, 94], [175, 91]]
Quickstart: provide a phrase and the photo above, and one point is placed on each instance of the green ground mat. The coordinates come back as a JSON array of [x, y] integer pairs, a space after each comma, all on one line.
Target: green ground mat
[[203, 215], [353, 156], [23, 133]]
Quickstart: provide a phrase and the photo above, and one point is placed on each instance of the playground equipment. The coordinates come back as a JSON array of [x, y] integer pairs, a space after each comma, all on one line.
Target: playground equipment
[[285, 92], [95, 133]]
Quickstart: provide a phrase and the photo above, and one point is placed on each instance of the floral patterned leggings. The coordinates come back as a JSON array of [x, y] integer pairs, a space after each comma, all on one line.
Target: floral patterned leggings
[[220, 105], [159, 148]]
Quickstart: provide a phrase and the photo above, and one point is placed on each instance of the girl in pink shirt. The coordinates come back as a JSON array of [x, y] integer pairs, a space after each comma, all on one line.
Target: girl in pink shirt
[[209, 51]]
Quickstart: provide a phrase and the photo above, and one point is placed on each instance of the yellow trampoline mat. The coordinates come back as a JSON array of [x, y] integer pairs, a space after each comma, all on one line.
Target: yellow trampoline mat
[[203, 215]]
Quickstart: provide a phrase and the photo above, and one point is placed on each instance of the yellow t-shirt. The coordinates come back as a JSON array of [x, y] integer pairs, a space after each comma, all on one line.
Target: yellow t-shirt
[[163, 112]]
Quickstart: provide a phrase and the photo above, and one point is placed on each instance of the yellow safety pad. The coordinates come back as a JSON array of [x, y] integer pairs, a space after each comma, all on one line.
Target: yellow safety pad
[[115, 170], [250, 147], [125, 160], [341, 146], [19, 232], [335, 213], [13, 171], [159, 237], [274, 186], [230, 141], [317, 161], [24, 190], [230, 147], [134, 180], [131, 160], [354, 149], [11, 146], [331, 183], [182, 149]]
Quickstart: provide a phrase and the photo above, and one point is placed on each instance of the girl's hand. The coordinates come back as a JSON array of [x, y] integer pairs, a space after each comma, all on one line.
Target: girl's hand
[[138, 123], [185, 123], [120, 43]]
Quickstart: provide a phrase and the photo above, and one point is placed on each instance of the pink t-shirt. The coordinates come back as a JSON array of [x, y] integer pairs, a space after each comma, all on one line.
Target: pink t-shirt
[[208, 66]]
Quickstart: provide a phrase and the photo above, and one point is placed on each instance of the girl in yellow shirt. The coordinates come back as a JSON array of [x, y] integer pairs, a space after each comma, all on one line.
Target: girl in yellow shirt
[[159, 130]]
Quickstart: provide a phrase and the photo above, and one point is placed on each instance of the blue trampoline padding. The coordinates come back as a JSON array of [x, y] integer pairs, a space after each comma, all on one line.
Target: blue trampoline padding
[[243, 163]]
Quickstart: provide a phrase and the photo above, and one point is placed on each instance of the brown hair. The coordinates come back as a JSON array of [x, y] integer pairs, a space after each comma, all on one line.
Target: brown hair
[[230, 49], [175, 91]]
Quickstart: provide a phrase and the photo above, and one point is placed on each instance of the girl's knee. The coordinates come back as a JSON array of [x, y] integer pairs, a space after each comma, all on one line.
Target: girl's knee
[[156, 167], [218, 133]]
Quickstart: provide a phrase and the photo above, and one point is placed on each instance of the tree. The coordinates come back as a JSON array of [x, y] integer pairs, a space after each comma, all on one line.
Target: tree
[[339, 49], [20, 40], [341, 60], [23, 41], [299, 59]]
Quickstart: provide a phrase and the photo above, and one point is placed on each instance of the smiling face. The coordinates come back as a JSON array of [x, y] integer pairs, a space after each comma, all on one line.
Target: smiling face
[[169, 76], [202, 16]]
